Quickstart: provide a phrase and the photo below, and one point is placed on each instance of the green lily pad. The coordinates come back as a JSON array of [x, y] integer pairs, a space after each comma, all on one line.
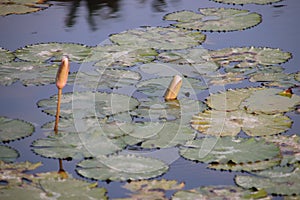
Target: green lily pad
[[5, 55], [219, 193], [241, 57], [124, 56], [151, 189], [224, 79], [87, 104], [279, 180], [221, 123], [8, 7], [158, 38], [29, 73], [106, 79], [230, 99], [157, 87], [8, 154], [46, 187], [279, 79], [253, 166], [230, 150], [269, 101], [77, 145], [121, 168], [53, 51], [12, 129], [215, 19], [242, 2], [289, 148]]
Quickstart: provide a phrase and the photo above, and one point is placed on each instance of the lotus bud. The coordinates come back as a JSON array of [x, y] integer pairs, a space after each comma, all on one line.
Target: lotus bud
[[62, 73], [173, 89]]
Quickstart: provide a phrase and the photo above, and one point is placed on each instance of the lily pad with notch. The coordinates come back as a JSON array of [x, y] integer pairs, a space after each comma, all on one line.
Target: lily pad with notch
[[53, 51], [215, 19], [8, 7]]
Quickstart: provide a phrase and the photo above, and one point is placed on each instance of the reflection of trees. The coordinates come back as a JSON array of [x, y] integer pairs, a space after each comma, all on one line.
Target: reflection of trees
[[103, 8]]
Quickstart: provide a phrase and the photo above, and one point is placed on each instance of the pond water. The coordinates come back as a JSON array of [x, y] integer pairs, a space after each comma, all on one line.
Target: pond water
[[91, 22]]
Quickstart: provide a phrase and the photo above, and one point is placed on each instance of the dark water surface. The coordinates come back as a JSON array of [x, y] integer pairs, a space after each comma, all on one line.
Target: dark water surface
[[91, 22]]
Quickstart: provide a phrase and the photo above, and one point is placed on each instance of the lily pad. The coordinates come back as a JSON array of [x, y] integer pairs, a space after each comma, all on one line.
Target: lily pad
[[6, 55], [12, 129], [123, 56], [253, 57], [29, 73], [157, 87], [158, 38], [221, 123], [219, 193], [53, 51], [215, 19], [8, 7], [121, 168], [106, 79], [279, 180], [224, 79], [256, 102], [289, 148], [253, 166], [230, 99], [151, 189], [74, 145], [8, 154], [230, 150], [47, 186], [242, 2], [89, 104]]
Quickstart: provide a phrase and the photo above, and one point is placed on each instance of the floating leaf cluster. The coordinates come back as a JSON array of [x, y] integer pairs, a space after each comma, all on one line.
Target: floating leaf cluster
[[215, 19]]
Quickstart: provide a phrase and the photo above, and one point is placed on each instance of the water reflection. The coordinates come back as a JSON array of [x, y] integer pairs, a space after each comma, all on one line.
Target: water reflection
[[105, 9]]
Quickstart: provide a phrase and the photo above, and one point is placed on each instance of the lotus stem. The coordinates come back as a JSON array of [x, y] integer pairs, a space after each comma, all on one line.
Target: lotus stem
[[173, 89], [61, 81]]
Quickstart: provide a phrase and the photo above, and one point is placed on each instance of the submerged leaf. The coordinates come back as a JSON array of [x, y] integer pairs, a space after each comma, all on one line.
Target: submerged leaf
[[158, 38], [229, 150], [121, 168], [151, 189], [279, 180], [45, 51], [8, 154], [89, 104], [12, 129], [219, 193], [215, 19]]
